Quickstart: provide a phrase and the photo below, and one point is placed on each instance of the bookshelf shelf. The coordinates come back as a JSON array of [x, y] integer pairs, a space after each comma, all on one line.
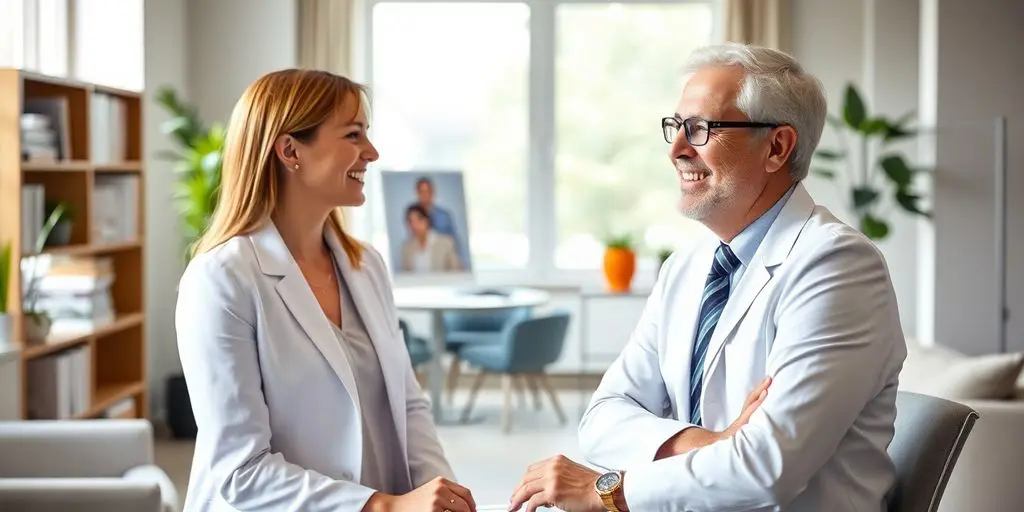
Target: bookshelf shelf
[[80, 145]]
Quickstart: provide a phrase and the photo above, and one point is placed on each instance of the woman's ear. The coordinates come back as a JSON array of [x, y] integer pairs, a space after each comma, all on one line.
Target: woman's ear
[[286, 151]]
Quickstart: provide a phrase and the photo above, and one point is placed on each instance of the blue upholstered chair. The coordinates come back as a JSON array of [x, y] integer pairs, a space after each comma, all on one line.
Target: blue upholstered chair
[[469, 328], [419, 349], [524, 349]]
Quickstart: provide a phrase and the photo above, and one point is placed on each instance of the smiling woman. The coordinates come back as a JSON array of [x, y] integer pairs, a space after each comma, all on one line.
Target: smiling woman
[[281, 311]]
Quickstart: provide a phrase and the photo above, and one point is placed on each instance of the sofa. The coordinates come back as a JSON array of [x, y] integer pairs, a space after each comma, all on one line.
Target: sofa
[[83, 465], [985, 477]]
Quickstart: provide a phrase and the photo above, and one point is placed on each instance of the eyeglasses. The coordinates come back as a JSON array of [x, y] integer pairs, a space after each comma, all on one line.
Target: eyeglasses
[[698, 130]]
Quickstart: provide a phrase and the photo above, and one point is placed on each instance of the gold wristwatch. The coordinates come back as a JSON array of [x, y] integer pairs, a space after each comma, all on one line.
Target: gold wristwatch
[[607, 486]]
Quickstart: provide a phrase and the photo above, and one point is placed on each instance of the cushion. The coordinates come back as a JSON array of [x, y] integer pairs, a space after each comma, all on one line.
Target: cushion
[[149, 473], [945, 373]]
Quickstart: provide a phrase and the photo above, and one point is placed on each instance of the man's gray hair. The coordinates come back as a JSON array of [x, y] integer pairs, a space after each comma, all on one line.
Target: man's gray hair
[[776, 89]]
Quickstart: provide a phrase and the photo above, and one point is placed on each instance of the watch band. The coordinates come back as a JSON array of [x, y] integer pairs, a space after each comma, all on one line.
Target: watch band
[[609, 502]]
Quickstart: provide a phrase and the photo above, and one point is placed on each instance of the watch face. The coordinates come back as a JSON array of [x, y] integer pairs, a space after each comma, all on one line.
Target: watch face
[[607, 482]]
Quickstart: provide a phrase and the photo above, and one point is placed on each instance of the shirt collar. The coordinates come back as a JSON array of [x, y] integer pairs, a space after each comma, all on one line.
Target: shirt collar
[[745, 244]]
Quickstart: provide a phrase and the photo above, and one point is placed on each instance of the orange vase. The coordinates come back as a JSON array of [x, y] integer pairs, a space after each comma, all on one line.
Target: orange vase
[[619, 267]]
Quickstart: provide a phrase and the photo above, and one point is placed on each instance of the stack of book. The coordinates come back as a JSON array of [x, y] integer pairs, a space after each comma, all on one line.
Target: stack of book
[[75, 293]]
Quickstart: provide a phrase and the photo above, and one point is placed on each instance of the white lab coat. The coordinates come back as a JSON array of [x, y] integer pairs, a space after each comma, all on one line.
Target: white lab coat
[[817, 312], [271, 387]]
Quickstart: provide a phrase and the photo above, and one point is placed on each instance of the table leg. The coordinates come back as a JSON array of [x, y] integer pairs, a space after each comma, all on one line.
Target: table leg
[[435, 376]]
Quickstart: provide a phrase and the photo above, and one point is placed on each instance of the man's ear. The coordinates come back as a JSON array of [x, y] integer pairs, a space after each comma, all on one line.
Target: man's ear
[[286, 151], [782, 141]]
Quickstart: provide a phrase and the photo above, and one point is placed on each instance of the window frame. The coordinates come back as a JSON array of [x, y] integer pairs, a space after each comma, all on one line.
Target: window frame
[[67, 45], [541, 175]]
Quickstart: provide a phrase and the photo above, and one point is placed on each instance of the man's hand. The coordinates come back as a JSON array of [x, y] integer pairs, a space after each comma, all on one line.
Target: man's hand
[[558, 482], [696, 437]]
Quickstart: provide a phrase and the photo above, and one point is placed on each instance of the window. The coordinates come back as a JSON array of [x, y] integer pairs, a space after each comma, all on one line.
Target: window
[[109, 43], [83, 39], [451, 93], [550, 108]]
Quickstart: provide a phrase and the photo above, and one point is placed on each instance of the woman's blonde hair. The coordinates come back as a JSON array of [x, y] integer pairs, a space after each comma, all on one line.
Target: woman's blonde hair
[[290, 101]]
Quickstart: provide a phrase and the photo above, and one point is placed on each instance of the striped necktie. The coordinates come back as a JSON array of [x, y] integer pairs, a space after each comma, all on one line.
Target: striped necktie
[[716, 293]]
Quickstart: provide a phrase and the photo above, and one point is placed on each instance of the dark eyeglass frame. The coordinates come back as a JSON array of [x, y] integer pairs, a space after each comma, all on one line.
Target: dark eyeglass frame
[[687, 125]]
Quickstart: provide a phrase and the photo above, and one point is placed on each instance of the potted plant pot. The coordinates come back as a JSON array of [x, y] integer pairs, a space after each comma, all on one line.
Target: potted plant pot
[[619, 264], [6, 328], [37, 327]]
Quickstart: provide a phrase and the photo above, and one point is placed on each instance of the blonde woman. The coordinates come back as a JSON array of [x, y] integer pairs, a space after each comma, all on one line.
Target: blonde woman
[[300, 382]]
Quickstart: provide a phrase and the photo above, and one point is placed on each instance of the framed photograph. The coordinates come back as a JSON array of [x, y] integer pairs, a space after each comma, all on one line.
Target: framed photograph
[[428, 235]]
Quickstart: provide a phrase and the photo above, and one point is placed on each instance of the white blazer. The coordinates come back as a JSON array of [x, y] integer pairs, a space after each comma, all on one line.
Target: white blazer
[[272, 391], [817, 312]]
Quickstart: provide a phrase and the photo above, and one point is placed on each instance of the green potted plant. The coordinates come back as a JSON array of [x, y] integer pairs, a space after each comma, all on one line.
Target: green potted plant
[[38, 322], [879, 170], [197, 164], [6, 328]]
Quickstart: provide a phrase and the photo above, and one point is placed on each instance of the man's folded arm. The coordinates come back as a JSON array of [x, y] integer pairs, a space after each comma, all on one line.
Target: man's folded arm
[[834, 350], [627, 421]]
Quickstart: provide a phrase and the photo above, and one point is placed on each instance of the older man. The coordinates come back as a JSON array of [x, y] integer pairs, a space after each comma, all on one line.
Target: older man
[[762, 374]]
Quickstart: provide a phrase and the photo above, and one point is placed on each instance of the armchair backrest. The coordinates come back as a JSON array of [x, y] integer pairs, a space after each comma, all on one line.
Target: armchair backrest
[[537, 341]]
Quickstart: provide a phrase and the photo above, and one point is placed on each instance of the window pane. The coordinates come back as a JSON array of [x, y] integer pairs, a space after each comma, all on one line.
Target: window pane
[[450, 92], [617, 74], [12, 34], [109, 43]]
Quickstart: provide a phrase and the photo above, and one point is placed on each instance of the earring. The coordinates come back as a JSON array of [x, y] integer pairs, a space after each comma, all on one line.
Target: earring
[[296, 167]]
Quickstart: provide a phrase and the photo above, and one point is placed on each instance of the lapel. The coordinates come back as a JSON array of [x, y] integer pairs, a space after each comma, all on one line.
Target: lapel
[[275, 260], [687, 312], [774, 248], [367, 302]]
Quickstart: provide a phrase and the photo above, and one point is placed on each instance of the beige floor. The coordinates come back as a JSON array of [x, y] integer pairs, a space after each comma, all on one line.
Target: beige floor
[[484, 459]]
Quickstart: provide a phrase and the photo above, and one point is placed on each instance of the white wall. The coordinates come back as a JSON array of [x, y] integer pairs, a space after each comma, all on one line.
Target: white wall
[[165, 52], [233, 42], [972, 71]]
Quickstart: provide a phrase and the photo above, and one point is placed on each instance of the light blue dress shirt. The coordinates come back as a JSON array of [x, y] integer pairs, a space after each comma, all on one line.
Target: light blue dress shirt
[[745, 244]]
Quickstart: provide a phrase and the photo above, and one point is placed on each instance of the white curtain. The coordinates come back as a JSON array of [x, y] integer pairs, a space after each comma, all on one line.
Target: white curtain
[[326, 35], [327, 41], [758, 22]]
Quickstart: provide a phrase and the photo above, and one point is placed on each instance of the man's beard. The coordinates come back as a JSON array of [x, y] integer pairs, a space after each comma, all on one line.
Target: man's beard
[[702, 204]]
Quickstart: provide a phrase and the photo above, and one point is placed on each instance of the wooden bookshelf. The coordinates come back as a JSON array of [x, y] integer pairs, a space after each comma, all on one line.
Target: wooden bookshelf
[[96, 169]]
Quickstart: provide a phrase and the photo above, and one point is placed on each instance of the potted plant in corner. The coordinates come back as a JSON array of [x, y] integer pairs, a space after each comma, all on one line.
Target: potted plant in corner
[[619, 263], [6, 328], [879, 170], [197, 166]]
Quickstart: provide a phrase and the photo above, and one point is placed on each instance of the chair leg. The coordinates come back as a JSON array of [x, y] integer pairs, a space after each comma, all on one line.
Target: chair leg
[[506, 406], [531, 382], [453, 378], [472, 395], [517, 384], [551, 394]]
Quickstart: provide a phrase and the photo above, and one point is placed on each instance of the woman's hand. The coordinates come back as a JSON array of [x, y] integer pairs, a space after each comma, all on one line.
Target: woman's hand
[[437, 495]]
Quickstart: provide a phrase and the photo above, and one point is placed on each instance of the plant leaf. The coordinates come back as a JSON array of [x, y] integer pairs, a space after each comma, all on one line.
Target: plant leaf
[[829, 154], [5, 275], [836, 122], [853, 108], [897, 170], [873, 126], [825, 173], [872, 227], [864, 196], [908, 202]]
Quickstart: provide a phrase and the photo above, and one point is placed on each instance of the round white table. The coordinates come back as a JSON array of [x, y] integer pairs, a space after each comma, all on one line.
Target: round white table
[[438, 300]]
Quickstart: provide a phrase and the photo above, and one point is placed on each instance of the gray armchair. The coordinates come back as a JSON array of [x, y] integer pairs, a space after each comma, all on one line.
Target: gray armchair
[[85, 465], [930, 434]]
